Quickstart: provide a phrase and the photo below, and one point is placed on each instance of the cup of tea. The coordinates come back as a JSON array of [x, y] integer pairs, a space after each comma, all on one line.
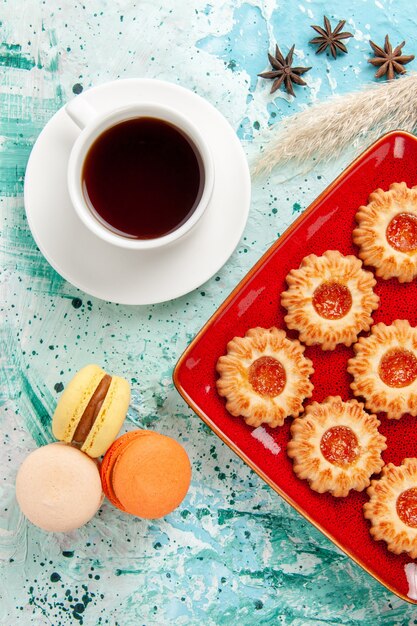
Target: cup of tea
[[140, 176]]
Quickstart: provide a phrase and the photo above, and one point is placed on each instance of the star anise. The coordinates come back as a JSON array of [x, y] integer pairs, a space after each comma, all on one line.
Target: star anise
[[390, 61], [331, 38], [283, 72]]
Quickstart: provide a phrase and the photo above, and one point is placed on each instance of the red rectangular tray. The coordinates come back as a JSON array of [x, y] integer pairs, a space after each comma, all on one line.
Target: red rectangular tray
[[326, 224]]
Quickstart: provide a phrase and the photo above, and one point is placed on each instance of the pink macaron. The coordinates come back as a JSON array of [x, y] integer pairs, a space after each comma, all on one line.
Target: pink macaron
[[58, 487]]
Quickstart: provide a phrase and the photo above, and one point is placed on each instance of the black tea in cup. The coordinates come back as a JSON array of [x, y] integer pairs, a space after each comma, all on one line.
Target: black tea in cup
[[142, 178]]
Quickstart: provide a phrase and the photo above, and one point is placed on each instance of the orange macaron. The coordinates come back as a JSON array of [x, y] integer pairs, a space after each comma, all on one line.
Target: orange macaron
[[146, 474]]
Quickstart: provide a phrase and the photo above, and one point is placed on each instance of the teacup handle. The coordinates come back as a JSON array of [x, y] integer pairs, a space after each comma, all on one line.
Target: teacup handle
[[81, 112]]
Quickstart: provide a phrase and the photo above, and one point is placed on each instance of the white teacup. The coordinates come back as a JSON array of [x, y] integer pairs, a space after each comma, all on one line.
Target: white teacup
[[92, 125]]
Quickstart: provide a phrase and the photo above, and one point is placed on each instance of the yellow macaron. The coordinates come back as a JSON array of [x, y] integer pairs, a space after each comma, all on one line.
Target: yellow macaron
[[91, 410]]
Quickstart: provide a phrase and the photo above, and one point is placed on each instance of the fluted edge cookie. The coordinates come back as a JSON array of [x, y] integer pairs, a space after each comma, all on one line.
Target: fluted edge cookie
[[387, 232], [384, 369], [392, 507], [336, 446], [330, 299], [264, 377]]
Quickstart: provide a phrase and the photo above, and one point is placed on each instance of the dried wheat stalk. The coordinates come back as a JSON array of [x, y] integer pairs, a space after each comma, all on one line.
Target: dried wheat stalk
[[326, 128]]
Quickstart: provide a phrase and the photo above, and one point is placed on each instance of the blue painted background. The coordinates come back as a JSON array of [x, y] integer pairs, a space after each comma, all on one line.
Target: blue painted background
[[234, 552]]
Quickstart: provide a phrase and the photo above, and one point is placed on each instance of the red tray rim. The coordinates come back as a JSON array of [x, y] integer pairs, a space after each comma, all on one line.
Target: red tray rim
[[176, 373]]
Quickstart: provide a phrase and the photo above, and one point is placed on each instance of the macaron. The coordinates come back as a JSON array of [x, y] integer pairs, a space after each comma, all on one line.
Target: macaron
[[146, 474], [58, 487], [91, 410]]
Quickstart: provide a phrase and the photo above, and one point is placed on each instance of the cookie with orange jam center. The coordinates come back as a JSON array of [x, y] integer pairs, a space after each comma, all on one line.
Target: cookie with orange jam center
[[384, 369], [336, 446], [264, 377], [392, 507], [387, 232], [329, 299]]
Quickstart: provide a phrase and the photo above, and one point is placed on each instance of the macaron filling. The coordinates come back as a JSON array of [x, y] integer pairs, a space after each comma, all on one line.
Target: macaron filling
[[91, 411]]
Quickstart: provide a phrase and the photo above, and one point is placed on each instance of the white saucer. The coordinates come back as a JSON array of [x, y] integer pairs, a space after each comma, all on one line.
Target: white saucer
[[131, 276]]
